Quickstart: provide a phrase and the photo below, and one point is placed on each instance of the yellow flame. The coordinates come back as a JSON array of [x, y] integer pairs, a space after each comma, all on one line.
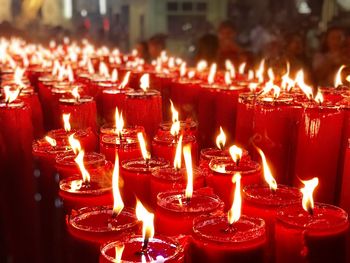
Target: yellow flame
[[177, 159], [189, 170], [66, 123], [119, 122], [80, 162], [267, 172], [183, 69], [221, 139], [18, 76], [212, 73], [319, 97], [191, 74], [75, 93], [125, 80], [103, 70], [348, 78], [51, 141], [338, 81], [287, 83], [175, 127], [250, 74], [76, 185], [241, 68], [10, 95], [236, 153], [144, 82], [228, 80], [171, 62], [230, 68], [70, 74], [299, 79], [147, 219], [234, 214], [118, 253], [114, 75], [90, 67], [118, 203], [260, 71], [145, 154], [74, 144], [201, 65], [276, 91], [307, 191]]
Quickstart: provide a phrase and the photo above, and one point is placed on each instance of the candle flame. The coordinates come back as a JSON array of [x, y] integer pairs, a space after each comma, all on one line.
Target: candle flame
[[114, 75], [307, 191], [171, 62], [250, 74], [118, 253], [119, 122], [212, 73], [183, 69], [267, 172], [236, 153], [338, 81], [103, 70], [145, 154], [66, 123], [191, 74], [228, 80], [201, 65], [10, 95], [177, 159], [144, 82], [90, 67], [75, 93], [230, 68], [221, 139], [287, 83], [18, 76], [125, 80], [234, 214], [118, 203], [80, 162], [241, 68], [189, 171], [51, 141], [175, 127], [147, 219], [70, 74], [260, 71], [74, 144], [299, 80], [319, 97]]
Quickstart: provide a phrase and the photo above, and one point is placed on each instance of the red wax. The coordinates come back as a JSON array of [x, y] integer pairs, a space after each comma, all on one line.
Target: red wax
[[222, 171], [187, 127], [162, 82], [318, 148], [86, 137], [175, 214], [260, 201], [345, 194], [45, 84], [112, 98], [136, 175], [214, 240], [162, 248], [91, 227], [164, 146], [334, 94], [144, 109], [82, 113], [130, 131], [321, 237], [127, 147], [166, 179]]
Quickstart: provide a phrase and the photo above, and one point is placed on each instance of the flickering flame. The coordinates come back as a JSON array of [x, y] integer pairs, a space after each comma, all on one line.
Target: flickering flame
[[276, 91], [144, 82], [221, 139], [177, 159], [337, 81], [74, 144], [18, 76], [228, 80], [348, 78], [260, 71], [212, 73], [319, 97], [10, 95], [56, 68], [171, 62], [189, 171], [80, 162], [90, 67], [70, 74], [125, 80], [75, 93], [145, 154], [66, 122], [267, 172], [51, 141], [191, 74], [241, 68], [250, 74], [76, 185], [175, 127], [299, 80], [307, 191], [201, 65], [230, 68], [114, 75], [118, 253], [287, 83], [183, 69], [119, 122], [147, 219], [236, 153], [234, 214], [270, 74], [103, 70], [118, 203]]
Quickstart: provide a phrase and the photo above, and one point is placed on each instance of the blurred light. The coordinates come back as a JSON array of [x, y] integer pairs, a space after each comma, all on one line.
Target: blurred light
[[303, 8], [103, 7], [67, 9], [191, 48], [83, 13]]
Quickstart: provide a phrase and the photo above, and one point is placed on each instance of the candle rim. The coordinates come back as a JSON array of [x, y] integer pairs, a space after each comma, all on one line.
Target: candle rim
[[65, 184], [185, 125], [169, 139], [166, 173], [256, 167], [84, 99], [126, 164], [142, 94], [68, 159]]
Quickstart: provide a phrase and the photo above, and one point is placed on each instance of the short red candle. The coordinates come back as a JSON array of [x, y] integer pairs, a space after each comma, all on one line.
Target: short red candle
[[321, 237], [130, 131], [214, 241], [144, 109], [222, 171], [186, 127], [162, 248], [345, 194], [176, 210]]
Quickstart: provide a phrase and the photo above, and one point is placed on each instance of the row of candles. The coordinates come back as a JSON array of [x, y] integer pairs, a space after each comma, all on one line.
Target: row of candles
[[257, 114]]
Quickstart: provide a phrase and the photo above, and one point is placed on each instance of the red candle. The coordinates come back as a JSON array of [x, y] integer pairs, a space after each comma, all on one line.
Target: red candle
[[45, 84], [186, 127], [345, 194], [129, 131]]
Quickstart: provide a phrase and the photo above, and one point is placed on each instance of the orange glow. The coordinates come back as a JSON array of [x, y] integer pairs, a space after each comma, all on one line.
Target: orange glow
[[191, 74], [147, 219], [201, 65], [230, 68], [234, 214], [144, 82], [10, 95], [145, 154], [236, 153], [267, 172], [250, 74], [189, 171], [307, 191], [103, 70], [125, 80], [66, 123], [51, 141], [212, 73], [178, 153], [70, 74], [114, 75], [287, 83], [338, 80], [183, 69], [74, 144], [80, 162], [118, 203], [241, 68], [119, 122], [228, 80], [221, 139], [319, 97]]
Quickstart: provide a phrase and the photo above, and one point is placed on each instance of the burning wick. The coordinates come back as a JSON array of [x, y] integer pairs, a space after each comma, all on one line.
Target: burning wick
[[236, 154], [145, 154], [307, 191], [269, 179], [118, 204], [189, 171], [221, 140], [234, 214], [147, 219]]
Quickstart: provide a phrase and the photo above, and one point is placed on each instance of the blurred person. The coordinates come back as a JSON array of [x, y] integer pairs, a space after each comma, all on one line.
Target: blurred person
[[156, 44], [331, 56], [207, 48], [142, 50]]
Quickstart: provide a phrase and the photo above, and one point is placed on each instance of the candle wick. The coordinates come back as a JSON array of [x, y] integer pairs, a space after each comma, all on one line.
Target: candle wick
[[114, 214], [238, 161], [310, 211], [230, 229], [145, 245], [148, 163], [188, 200]]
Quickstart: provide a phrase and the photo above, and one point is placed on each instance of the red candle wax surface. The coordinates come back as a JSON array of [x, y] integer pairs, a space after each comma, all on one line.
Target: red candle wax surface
[[187, 127], [345, 194], [166, 179], [162, 82], [91, 227], [137, 175], [222, 171], [128, 148], [175, 212], [334, 94], [144, 109], [45, 84], [261, 201], [321, 237], [214, 240], [163, 249], [82, 112], [318, 148], [165, 146], [129, 132]]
